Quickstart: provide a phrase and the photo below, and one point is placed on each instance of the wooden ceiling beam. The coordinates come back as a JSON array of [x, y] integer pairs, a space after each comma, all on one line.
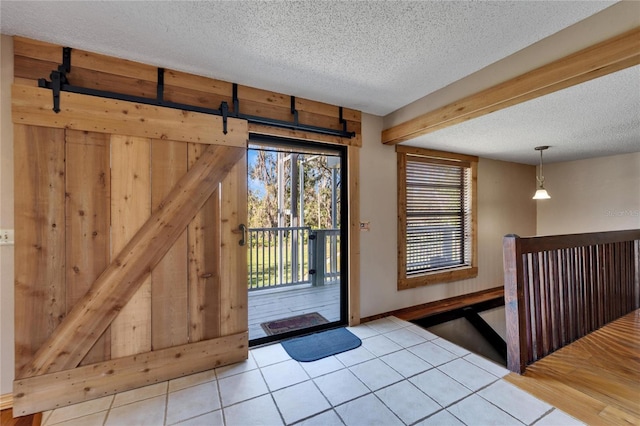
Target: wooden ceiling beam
[[609, 56]]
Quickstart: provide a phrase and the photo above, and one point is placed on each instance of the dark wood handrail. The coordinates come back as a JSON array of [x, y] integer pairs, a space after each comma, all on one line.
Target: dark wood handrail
[[557, 242], [561, 287]]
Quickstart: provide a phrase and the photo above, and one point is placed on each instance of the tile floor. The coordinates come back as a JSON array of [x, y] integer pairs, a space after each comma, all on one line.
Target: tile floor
[[401, 375]]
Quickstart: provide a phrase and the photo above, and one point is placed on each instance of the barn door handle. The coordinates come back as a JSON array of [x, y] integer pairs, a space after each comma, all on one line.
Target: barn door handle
[[243, 228]]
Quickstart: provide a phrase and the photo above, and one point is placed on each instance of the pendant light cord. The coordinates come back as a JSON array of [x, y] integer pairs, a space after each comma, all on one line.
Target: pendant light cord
[[541, 178]]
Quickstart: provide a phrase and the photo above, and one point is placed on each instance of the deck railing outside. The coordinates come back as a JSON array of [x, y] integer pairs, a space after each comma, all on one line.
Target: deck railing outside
[[560, 288], [325, 255], [279, 257]]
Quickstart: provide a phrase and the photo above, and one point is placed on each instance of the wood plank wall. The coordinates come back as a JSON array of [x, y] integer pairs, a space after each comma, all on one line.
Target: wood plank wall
[[39, 299], [130, 208], [169, 279], [88, 220], [35, 59], [204, 264]]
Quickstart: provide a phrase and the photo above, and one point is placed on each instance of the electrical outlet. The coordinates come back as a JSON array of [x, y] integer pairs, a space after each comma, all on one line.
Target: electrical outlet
[[6, 237]]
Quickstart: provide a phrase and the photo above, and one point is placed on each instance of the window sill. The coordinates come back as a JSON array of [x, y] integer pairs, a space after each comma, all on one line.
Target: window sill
[[437, 277]]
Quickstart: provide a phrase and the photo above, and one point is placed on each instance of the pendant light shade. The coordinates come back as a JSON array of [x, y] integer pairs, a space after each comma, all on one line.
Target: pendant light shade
[[541, 193]]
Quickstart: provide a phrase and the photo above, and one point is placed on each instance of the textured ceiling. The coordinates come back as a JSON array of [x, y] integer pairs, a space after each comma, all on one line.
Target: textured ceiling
[[372, 56]]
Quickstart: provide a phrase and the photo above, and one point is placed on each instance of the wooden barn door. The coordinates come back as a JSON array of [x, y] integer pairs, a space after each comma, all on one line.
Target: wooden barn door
[[128, 265]]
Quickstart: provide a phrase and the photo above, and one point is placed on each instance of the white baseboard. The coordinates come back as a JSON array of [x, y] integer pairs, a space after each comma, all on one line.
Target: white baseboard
[[6, 401]]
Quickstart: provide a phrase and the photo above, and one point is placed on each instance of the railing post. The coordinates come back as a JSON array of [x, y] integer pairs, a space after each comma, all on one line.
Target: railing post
[[319, 256], [333, 253], [514, 304], [250, 258], [280, 264], [636, 273], [313, 238], [294, 254]]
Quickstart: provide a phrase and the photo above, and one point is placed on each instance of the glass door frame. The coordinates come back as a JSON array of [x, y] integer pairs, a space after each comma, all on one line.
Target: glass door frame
[[342, 151]]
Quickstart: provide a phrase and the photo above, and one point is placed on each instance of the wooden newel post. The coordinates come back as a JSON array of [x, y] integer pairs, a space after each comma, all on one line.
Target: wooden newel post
[[514, 304]]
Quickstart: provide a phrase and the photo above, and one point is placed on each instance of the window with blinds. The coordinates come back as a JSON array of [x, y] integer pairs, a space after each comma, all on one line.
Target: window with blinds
[[436, 216]]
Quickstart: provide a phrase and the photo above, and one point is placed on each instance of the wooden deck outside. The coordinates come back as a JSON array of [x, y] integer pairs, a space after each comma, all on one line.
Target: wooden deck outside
[[269, 305], [596, 378]]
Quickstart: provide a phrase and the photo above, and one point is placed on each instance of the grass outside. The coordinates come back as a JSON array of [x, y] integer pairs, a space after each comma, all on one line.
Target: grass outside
[[262, 262]]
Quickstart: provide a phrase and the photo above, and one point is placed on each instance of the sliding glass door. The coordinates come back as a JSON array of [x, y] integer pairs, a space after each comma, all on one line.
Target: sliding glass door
[[296, 243]]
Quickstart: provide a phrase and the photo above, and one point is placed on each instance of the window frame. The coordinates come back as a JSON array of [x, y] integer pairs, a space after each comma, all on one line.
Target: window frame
[[443, 275]]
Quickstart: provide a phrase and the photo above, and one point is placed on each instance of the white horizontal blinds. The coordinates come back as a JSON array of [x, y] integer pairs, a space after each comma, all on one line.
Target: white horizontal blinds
[[468, 215], [438, 215]]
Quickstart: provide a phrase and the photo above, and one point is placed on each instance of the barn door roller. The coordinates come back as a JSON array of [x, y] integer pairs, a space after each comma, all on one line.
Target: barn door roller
[[59, 77], [60, 83]]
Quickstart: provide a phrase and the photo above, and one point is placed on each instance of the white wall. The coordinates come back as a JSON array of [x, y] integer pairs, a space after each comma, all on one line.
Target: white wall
[[6, 216], [598, 194], [504, 206]]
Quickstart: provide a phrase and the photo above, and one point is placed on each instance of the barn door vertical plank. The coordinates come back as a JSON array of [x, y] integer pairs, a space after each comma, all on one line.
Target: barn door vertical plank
[[39, 239], [204, 264], [169, 314], [130, 208], [88, 192], [233, 256]]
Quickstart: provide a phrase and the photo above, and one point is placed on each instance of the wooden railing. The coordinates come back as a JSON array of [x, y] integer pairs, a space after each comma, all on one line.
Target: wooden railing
[[560, 288]]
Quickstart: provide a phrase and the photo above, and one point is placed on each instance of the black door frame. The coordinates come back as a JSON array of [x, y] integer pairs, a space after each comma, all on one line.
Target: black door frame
[[342, 151]]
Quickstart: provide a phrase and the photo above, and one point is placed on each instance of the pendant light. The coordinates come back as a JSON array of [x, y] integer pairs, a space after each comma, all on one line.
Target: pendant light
[[541, 193]]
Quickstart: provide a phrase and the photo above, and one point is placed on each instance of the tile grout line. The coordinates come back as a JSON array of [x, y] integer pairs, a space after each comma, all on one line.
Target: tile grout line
[[311, 379], [390, 409], [166, 405], [222, 413], [72, 418], [297, 422], [545, 414], [458, 418], [104, 422], [491, 403], [269, 390], [431, 415]]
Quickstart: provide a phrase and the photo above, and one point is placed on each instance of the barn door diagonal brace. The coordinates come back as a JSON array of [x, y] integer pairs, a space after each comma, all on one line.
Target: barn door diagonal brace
[[60, 83]]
